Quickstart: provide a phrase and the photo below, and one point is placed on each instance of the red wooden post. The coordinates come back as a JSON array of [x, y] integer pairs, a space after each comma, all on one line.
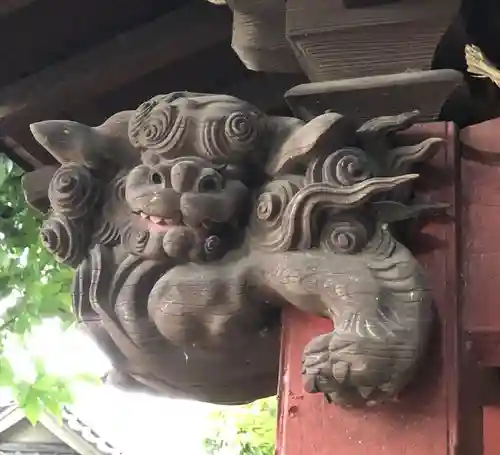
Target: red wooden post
[[429, 416], [491, 426], [481, 194], [480, 259]]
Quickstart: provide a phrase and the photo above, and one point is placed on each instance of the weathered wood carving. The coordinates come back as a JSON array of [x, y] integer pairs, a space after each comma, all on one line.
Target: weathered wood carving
[[191, 228]]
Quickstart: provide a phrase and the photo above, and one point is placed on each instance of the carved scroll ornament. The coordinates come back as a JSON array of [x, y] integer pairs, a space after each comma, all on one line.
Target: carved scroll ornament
[[191, 228]]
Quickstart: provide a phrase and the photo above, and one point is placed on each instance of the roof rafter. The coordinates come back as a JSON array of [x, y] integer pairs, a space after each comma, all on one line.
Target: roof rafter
[[126, 57]]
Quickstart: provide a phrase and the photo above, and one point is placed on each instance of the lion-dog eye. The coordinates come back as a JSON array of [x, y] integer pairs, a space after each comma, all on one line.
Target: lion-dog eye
[[160, 175], [210, 180]]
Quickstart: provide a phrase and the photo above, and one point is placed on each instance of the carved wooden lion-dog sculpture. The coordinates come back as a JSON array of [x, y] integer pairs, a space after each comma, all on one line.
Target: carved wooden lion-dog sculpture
[[193, 220]]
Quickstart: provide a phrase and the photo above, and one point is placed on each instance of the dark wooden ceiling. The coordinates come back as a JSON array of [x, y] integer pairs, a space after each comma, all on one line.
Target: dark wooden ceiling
[[85, 60]]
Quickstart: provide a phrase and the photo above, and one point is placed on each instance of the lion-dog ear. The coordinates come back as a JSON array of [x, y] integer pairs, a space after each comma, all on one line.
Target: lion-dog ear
[[36, 186], [74, 142], [299, 141]]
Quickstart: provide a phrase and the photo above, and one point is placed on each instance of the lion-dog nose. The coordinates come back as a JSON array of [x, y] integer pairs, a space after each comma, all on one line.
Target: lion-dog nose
[[183, 176]]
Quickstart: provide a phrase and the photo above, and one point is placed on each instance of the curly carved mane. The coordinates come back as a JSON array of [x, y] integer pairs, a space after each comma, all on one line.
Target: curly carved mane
[[323, 179]]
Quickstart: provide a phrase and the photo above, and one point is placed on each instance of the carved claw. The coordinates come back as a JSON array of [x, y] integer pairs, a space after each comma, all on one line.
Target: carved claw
[[340, 371], [355, 372]]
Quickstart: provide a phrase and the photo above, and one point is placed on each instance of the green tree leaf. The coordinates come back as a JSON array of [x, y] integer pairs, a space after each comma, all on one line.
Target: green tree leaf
[[6, 167], [87, 378], [45, 383], [39, 288], [32, 407], [6, 373], [62, 393], [243, 430], [53, 406], [23, 389]]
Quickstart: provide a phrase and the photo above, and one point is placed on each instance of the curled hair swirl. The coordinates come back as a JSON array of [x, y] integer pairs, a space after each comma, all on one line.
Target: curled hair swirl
[[64, 239], [135, 240], [213, 248], [348, 234], [344, 167], [73, 191], [297, 217], [231, 137], [270, 207], [108, 231], [157, 125], [140, 241]]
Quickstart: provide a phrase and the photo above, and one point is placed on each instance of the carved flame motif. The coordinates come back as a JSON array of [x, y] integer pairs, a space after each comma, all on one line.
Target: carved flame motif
[[298, 222], [185, 260]]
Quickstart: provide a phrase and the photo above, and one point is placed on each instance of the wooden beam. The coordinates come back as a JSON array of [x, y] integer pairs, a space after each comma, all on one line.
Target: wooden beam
[[265, 91], [20, 155], [9, 6], [259, 36], [126, 57], [333, 40], [367, 97]]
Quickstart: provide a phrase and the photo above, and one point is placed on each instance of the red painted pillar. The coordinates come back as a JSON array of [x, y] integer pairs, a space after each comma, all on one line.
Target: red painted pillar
[[481, 266], [429, 417], [491, 430]]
